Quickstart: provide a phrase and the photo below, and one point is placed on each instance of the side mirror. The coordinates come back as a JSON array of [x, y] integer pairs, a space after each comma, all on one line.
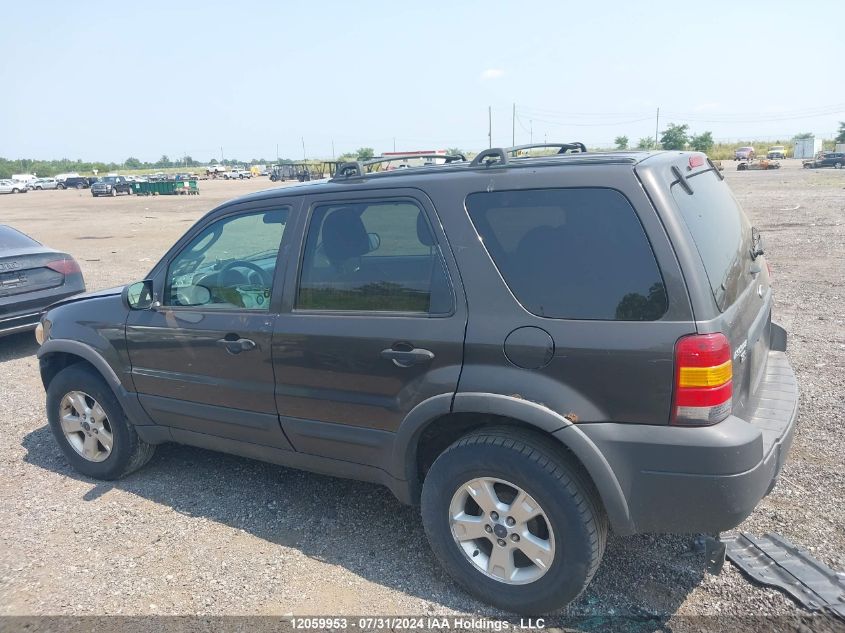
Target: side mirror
[[139, 296], [375, 241]]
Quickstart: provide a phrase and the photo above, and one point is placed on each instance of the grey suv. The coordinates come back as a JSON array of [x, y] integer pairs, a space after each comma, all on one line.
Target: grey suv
[[533, 349]]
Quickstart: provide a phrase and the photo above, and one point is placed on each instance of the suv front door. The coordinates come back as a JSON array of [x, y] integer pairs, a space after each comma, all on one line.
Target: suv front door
[[373, 324], [201, 361]]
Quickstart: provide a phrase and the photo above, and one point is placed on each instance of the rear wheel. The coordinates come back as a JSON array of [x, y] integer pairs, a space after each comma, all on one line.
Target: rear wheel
[[60, 186], [837, 165], [91, 427], [512, 521], [80, 186]]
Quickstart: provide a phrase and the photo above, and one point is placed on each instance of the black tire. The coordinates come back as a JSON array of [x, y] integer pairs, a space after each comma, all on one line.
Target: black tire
[[538, 466], [80, 186], [837, 165], [15, 190], [129, 452], [60, 186]]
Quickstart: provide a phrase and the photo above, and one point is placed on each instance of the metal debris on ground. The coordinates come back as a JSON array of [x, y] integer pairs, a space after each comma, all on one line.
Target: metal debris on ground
[[772, 560]]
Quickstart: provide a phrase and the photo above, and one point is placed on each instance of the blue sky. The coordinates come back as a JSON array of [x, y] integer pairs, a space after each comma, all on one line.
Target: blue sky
[[108, 80]]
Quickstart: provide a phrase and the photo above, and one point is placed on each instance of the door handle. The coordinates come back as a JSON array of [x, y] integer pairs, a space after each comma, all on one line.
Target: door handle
[[406, 358], [237, 345]]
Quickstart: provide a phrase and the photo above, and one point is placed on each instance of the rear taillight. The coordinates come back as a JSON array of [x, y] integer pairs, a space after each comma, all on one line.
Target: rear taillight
[[64, 266], [703, 374]]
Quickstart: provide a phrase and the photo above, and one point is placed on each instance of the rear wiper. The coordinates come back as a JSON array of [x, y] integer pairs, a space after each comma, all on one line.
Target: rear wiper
[[756, 244]]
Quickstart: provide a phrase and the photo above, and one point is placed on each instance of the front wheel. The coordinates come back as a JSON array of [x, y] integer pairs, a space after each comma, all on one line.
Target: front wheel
[[837, 165], [80, 186], [60, 186], [90, 426], [512, 521]]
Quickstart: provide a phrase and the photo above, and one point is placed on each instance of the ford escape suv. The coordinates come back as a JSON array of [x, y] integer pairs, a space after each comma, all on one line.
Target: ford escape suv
[[534, 349]]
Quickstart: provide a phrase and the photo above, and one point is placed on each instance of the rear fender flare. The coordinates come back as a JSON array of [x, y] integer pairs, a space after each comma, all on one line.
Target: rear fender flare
[[403, 463]]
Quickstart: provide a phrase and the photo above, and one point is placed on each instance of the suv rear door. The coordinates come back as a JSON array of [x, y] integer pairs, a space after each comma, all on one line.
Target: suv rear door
[[372, 325]]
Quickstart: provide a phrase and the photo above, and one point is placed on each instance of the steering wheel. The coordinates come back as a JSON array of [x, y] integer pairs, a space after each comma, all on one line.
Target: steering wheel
[[242, 263]]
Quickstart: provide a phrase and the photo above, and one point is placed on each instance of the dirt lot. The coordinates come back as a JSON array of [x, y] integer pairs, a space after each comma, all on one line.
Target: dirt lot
[[199, 532]]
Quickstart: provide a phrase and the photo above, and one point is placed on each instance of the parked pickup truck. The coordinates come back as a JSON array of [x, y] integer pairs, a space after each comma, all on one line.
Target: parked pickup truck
[[111, 186]]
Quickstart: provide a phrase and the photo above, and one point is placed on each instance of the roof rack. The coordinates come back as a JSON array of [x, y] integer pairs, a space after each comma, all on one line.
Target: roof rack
[[563, 148], [357, 167], [485, 158]]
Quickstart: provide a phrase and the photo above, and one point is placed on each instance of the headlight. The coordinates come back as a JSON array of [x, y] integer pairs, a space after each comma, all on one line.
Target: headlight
[[39, 333]]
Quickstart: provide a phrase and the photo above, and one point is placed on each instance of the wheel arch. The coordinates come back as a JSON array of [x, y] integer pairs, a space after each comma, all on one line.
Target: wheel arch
[[436, 423], [55, 355]]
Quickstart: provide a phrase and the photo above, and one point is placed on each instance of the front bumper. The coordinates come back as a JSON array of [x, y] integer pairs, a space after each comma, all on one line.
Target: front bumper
[[703, 479]]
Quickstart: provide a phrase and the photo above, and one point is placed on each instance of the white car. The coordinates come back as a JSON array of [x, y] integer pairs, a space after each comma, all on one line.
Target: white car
[[43, 183], [12, 186]]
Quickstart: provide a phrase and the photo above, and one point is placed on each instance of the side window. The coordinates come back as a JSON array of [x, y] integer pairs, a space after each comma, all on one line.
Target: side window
[[576, 253], [230, 264], [373, 256]]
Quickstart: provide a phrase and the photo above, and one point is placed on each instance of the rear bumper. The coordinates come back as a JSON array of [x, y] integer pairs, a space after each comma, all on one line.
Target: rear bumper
[[703, 479], [22, 312]]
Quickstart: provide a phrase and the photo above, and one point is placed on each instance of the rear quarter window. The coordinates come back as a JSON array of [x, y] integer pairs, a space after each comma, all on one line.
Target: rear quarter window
[[578, 253]]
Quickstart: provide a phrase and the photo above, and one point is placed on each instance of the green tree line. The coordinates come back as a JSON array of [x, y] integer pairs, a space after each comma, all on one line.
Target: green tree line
[[45, 168]]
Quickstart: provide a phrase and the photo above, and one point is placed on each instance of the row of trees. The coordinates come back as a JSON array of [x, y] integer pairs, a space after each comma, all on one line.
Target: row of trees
[[52, 167], [673, 137], [678, 137]]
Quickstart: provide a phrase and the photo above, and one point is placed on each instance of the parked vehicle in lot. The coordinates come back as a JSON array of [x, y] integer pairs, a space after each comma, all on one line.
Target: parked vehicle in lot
[[754, 165], [11, 186], [745, 153], [32, 276], [237, 174], [776, 151], [111, 186], [73, 182], [43, 183], [533, 349], [826, 159]]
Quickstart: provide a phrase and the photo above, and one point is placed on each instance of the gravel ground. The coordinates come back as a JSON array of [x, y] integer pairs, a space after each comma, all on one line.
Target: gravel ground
[[197, 532]]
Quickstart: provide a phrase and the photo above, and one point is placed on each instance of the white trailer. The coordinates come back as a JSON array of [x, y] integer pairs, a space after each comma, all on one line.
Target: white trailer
[[807, 147]]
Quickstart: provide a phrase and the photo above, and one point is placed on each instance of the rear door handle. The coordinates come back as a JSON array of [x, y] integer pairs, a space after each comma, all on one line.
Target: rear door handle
[[406, 358], [237, 345]]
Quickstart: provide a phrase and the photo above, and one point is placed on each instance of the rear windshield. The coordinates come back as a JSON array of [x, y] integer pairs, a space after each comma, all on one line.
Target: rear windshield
[[721, 233], [10, 238]]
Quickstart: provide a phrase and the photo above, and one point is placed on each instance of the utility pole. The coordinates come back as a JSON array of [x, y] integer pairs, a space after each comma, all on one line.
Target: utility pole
[[513, 127], [531, 128], [656, 126], [394, 144], [333, 155], [221, 154], [489, 126], [277, 152], [303, 149]]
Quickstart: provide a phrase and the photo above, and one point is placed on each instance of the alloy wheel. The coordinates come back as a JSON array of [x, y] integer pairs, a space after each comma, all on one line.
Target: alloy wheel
[[502, 530], [86, 426]]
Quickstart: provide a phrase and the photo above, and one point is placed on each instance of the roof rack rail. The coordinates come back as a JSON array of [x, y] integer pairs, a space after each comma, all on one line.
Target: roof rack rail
[[563, 148], [358, 167], [490, 156]]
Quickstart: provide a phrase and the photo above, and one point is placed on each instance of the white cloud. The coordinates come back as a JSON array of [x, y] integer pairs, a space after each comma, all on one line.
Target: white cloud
[[492, 73]]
